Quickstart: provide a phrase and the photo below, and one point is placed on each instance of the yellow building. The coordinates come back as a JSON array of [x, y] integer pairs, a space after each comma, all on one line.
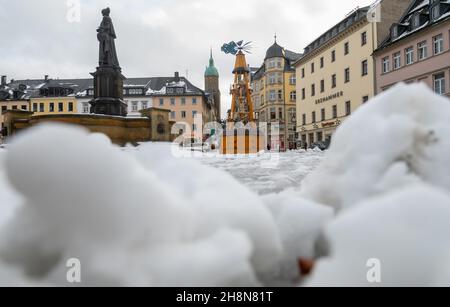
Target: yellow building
[[274, 96], [336, 74], [6, 105], [53, 105]]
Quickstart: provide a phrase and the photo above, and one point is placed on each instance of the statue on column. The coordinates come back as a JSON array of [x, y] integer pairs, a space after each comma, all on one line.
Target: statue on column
[[106, 36], [108, 78]]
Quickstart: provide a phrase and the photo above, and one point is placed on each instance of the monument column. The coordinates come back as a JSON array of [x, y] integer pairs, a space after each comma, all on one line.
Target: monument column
[[108, 79]]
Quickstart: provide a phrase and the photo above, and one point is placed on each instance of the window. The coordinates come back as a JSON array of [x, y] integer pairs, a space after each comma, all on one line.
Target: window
[[280, 95], [293, 96], [304, 119], [322, 62], [161, 101], [365, 99], [194, 127], [183, 114], [314, 117], [183, 101], [364, 68], [35, 107], [438, 44], [86, 108], [194, 101], [194, 113], [363, 38], [439, 83], [322, 86], [272, 95], [436, 12], [303, 94], [4, 108], [333, 56], [292, 80], [272, 79], [347, 75], [312, 68], [385, 65], [303, 73], [409, 55], [397, 57], [144, 105], [52, 107], [60, 107], [138, 91], [41, 107], [280, 113], [172, 115], [394, 31], [313, 90], [335, 111], [14, 107], [346, 48], [348, 108], [134, 106], [323, 114], [70, 106], [172, 101], [333, 81], [423, 50], [273, 114]]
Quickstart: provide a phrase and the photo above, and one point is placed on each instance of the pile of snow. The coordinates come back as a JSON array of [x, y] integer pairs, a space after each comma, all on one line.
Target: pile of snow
[[406, 232], [132, 217], [143, 217], [388, 174], [401, 137]]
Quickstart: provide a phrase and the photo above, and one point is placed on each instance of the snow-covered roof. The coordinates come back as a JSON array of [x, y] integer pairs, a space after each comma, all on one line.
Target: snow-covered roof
[[421, 9]]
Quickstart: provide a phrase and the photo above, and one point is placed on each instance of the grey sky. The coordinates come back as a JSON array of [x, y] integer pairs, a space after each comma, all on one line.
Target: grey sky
[[156, 37]]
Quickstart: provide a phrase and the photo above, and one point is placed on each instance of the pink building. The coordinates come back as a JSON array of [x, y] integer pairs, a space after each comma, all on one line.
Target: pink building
[[417, 49]]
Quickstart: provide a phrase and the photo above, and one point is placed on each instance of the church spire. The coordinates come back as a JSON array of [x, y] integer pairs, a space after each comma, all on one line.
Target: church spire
[[211, 70]]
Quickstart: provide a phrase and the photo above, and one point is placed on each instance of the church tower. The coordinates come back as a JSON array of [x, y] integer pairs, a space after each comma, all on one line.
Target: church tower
[[212, 85]]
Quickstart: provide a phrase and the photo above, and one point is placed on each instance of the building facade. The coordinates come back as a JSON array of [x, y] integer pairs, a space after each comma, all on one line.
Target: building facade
[[12, 98], [181, 98], [417, 48], [274, 96], [336, 74]]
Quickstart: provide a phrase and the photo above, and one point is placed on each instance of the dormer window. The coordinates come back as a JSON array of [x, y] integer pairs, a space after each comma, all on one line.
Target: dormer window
[[415, 21], [394, 32], [435, 11]]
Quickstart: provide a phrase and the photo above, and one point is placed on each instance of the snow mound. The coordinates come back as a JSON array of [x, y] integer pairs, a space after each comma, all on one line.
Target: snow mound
[[300, 223], [387, 175], [85, 198], [406, 231], [400, 137]]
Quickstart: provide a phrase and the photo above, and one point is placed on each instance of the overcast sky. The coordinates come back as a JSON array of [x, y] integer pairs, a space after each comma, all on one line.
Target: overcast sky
[[156, 37]]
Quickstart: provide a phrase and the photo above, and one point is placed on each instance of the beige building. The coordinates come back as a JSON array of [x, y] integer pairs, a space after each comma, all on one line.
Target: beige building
[[336, 74], [274, 96]]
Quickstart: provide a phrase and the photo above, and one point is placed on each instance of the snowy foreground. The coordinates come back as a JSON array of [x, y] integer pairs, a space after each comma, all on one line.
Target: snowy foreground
[[380, 197]]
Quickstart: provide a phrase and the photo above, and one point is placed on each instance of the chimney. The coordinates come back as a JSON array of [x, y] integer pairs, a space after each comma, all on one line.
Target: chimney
[[46, 78], [3, 81], [177, 76]]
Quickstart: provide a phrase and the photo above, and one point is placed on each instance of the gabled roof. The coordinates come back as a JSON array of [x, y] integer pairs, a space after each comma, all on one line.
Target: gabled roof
[[421, 9]]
